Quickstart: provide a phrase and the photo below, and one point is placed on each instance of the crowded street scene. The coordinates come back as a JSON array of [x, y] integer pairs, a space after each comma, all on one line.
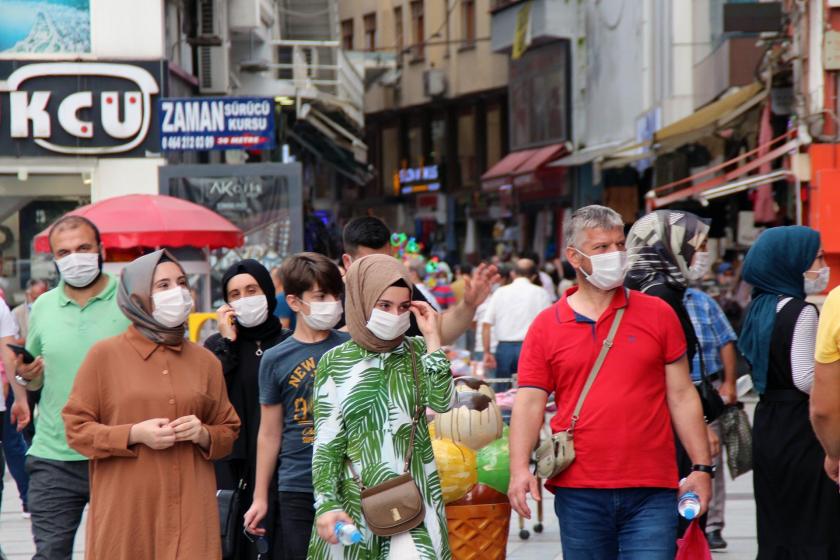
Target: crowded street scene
[[419, 280]]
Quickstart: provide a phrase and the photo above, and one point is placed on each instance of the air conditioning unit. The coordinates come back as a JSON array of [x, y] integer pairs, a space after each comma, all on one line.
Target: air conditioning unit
[[246, 15], [212, 47], [434, 83]]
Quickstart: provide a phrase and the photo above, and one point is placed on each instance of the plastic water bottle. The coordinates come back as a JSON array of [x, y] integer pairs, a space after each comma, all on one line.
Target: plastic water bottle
[[347, 533], [689, 505]]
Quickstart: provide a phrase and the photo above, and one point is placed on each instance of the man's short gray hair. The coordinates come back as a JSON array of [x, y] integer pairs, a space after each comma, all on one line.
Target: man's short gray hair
[[590, 217]]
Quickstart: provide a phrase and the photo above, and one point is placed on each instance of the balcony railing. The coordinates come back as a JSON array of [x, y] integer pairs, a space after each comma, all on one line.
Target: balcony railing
[[323, 66]]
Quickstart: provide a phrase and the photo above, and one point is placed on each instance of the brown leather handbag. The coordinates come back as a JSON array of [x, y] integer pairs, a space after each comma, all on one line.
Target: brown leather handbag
[[396, 506]]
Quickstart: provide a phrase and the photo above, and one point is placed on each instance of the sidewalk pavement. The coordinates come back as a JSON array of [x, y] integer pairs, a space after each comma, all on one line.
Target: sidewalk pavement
[[15, 532], [16, 538]]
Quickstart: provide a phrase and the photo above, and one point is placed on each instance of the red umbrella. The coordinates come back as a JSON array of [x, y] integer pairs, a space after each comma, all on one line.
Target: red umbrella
[[152, 220]]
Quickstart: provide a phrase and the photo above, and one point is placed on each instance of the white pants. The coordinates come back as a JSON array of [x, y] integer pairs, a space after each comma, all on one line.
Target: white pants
[[402, 548]]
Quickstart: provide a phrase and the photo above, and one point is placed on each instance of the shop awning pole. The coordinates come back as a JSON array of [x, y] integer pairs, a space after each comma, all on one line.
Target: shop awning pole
[[798, 185], [692, 190]]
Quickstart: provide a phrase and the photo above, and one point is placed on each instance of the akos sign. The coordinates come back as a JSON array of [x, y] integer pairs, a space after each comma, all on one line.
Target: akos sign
[[216, 123], [79, 108]]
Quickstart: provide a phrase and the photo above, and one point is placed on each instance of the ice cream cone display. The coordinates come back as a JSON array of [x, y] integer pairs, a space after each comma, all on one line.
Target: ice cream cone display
[[475, 420], [457, 468]]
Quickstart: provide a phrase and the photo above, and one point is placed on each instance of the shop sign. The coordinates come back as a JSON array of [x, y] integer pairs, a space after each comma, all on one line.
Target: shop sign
[[217, 123], [538, 96], [79, 108], [263, 200], [418, 179]]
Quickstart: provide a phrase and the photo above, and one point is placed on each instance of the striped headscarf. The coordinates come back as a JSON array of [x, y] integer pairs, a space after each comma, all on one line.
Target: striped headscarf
[[660, 247]]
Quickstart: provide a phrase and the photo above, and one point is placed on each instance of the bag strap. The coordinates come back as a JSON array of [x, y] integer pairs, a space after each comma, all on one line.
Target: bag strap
[[596, 367], [414, 421], [417, 411]]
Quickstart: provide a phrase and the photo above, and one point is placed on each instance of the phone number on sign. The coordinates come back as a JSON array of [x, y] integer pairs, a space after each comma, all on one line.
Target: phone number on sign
[[188, 142]]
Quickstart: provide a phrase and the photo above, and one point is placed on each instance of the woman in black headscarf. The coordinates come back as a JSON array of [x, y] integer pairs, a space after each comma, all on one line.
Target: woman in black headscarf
[[247, 328]]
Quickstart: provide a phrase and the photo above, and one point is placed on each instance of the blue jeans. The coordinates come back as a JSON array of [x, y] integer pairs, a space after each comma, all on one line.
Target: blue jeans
[[622, 524], [14, 448], [507, 362]]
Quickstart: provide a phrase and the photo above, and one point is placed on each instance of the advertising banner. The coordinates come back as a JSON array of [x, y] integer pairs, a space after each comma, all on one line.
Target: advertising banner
[[264, 200], [44, 27], [216, 123]]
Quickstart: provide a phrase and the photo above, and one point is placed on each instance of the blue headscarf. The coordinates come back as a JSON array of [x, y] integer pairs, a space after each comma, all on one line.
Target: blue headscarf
[[774, 267]]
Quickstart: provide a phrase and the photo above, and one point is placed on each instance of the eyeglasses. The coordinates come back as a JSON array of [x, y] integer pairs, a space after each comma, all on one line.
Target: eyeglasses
[[259, 541]]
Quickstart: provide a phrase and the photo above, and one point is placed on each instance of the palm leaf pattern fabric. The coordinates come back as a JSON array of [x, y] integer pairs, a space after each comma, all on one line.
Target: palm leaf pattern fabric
[[363, 403]]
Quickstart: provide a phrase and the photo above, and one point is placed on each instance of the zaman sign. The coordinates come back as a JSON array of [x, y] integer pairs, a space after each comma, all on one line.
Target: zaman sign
[[79, 108]]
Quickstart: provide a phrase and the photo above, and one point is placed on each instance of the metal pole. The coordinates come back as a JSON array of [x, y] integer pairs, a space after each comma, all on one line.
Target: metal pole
[[798, 186]]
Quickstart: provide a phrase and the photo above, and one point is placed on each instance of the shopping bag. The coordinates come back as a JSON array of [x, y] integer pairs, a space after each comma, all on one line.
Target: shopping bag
[[737, 439], [693, 544]]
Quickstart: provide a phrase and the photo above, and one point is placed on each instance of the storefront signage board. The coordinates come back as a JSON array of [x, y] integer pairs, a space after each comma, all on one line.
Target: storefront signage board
[[419, 179], [95, 109], [216, 123]]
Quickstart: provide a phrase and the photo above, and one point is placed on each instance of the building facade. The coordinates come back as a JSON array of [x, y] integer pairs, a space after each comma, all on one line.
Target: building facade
[[436, 115]]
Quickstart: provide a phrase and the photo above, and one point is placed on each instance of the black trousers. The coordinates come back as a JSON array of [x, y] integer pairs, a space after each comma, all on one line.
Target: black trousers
[[293, 525], [58, 494]]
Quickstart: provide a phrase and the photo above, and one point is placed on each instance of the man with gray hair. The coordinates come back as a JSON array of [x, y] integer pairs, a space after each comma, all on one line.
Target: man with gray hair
[[615, 360]]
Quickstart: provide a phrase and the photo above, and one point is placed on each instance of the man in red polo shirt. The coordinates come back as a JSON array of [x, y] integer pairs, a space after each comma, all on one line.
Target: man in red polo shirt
[[620, 493]]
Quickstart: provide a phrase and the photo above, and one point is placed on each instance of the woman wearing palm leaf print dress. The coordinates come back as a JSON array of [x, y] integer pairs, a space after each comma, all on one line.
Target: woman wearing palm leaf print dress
[[364, 400]]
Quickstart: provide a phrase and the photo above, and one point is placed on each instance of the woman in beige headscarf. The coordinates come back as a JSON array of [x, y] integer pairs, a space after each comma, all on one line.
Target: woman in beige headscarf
[[151, 411], [364, 400]]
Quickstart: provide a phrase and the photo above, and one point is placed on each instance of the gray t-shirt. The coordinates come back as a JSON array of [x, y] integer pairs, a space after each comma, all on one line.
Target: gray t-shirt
[[287, 373]]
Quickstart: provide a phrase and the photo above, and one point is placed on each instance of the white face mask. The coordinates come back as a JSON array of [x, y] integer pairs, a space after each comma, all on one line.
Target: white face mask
[[387, 326], [701, 264], [820, 283], [79, 269], [608, 269], [323, 315], [251, 311], [172, 307]]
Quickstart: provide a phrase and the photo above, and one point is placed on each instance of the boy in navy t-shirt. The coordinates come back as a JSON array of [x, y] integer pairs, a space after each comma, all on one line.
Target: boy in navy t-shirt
[[313, 288]]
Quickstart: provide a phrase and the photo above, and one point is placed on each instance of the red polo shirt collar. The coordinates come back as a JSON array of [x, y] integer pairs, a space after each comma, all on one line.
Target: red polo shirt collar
[[566, 314]]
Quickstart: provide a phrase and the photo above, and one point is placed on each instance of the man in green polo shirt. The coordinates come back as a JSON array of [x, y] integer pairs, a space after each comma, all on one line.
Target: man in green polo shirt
[[63, 325]]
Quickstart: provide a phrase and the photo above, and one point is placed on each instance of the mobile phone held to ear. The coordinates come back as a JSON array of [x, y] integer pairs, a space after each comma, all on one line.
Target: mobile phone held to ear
[[21, 351]]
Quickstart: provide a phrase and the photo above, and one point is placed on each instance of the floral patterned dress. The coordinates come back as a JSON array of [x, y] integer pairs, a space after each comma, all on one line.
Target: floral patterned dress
[[363, 404]]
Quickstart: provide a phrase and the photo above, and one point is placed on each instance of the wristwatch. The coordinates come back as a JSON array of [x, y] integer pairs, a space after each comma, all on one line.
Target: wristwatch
[[708, 469], [21, 381]]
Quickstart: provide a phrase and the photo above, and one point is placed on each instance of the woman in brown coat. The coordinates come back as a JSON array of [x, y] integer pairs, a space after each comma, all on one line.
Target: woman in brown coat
[[151, 411]]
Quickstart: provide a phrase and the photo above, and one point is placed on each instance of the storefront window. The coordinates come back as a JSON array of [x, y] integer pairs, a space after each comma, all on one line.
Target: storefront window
[[466, 148], [494, 135], [390, 158], [438, 140], [415, 145]]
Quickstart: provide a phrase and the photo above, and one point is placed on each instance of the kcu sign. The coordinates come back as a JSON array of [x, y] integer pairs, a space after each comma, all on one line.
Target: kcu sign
[[79, 108]]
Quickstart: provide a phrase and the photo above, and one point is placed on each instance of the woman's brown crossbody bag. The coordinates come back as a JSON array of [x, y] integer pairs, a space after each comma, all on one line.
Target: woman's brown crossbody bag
[[557, 452], [395, 506]]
